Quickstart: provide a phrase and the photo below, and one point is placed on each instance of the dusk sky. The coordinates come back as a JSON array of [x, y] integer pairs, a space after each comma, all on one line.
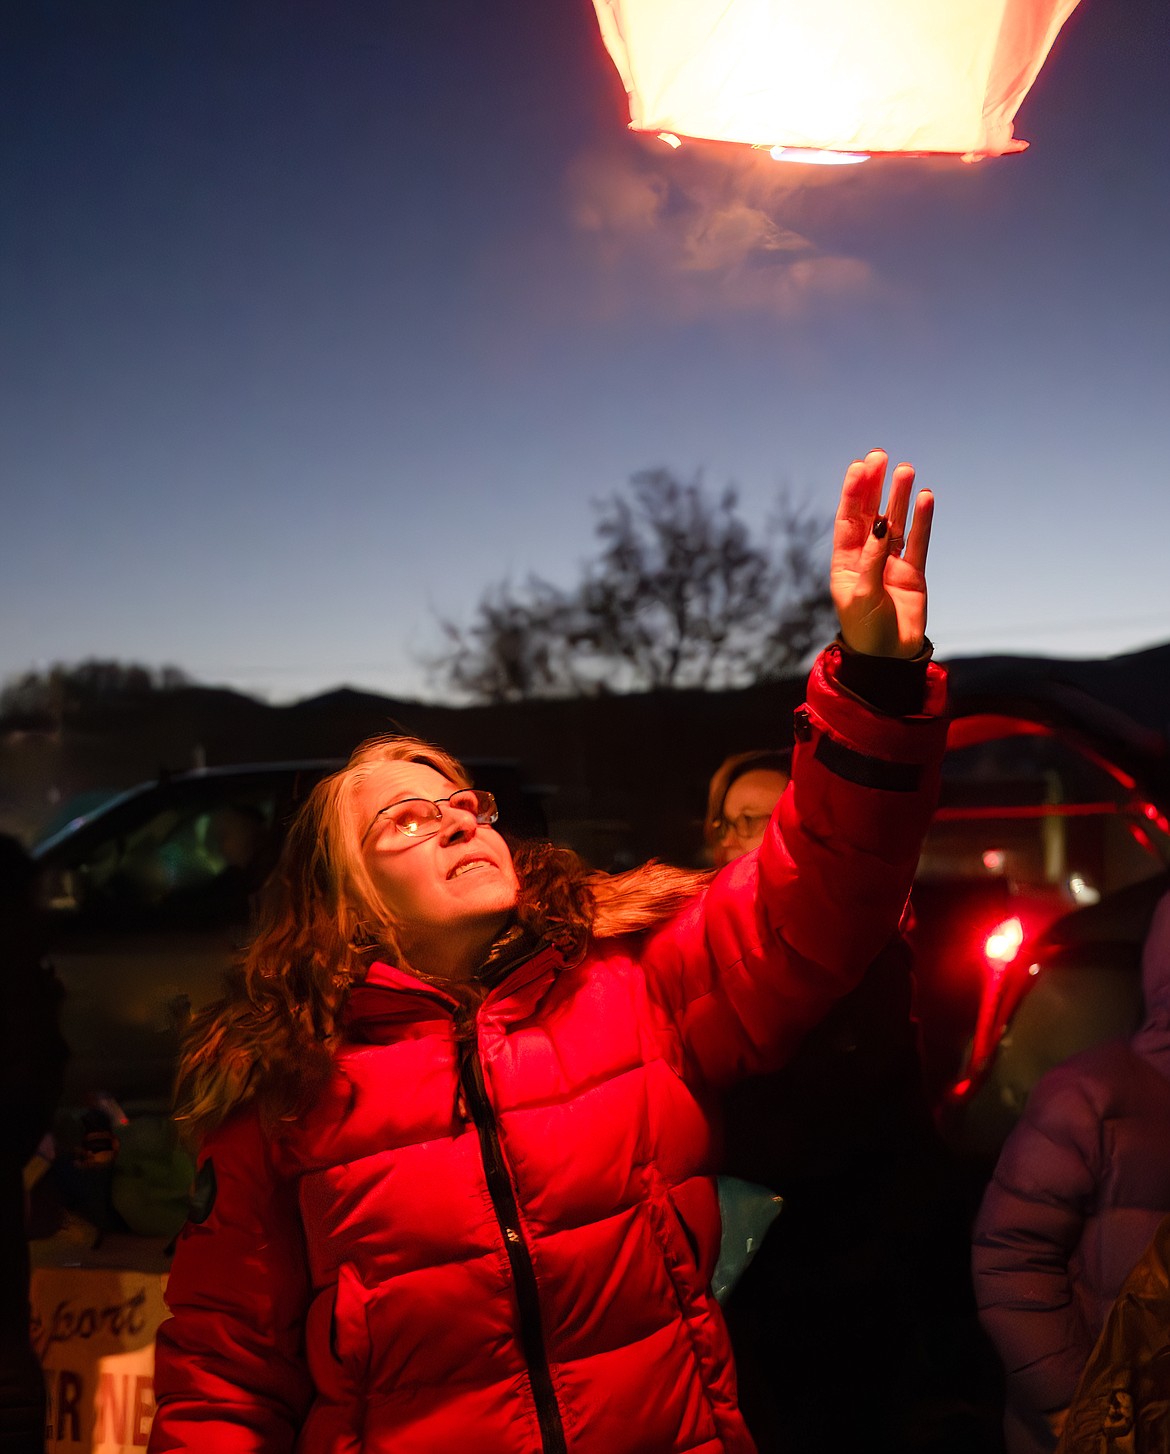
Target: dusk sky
[[319, 318]]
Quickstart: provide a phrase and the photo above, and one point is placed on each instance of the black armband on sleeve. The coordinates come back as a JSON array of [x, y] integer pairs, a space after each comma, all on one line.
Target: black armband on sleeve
[[892, 685]]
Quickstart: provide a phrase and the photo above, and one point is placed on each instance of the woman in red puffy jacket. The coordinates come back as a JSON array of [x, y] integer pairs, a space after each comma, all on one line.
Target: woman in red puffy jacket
[[456, 1126]]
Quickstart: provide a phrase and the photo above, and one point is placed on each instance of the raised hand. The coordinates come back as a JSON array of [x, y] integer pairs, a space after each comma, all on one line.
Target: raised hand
[[878, 580]]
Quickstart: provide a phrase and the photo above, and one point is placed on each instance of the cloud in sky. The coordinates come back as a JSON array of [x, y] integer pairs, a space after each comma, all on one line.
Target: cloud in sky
[[704, 232]]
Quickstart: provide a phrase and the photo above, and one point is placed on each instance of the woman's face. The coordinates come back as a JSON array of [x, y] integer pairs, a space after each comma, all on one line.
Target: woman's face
[[451, 890], [746, 810]]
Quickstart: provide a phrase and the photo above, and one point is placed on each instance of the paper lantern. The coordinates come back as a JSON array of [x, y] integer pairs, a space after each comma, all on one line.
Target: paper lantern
[[835, 77]]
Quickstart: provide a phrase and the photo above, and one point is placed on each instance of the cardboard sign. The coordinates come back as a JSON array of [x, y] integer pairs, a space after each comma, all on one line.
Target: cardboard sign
[[93, 1329]]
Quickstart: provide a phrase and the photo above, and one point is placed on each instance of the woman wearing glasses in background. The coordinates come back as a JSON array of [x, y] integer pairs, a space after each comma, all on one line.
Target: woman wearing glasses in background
[[863, 1269], [740, 798], [456, 1118]]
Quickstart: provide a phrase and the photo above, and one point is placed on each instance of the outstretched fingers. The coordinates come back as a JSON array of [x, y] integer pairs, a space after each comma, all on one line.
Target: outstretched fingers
[[898, 508], [861, 496], [872, 470], [878, 570], [919, 542]]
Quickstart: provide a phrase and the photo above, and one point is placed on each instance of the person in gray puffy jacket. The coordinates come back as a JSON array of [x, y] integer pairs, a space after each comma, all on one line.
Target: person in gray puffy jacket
[[1080, 1189]]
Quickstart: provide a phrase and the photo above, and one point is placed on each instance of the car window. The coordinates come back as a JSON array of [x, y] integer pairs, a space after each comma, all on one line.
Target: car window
[[197, 857]]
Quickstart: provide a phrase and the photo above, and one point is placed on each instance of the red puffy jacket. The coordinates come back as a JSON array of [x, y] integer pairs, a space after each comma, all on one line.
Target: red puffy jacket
[[506, 1246]]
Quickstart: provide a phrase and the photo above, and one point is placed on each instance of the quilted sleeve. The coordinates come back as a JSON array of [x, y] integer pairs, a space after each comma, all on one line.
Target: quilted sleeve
[[782, 933], [1029, 1225], [230, 1375]]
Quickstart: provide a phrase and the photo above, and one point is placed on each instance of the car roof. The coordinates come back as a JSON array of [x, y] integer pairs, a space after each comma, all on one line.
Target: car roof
[[317, 767], [93, 820]]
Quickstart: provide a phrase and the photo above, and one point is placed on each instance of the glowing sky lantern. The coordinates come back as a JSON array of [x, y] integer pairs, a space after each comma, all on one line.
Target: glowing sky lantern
[[832, 78]]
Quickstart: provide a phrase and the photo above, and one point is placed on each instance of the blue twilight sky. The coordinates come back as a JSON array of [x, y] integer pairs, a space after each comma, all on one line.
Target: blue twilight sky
[[319, 316]]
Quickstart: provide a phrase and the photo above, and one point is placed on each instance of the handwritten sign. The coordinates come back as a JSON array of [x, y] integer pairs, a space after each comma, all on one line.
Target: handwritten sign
[[93, 1330]]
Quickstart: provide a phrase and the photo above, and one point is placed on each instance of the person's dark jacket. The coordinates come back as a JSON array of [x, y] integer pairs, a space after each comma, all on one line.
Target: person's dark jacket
[[1081, 1186]]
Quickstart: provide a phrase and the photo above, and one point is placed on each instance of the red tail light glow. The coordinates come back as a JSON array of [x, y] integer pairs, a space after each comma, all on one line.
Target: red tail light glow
[[1003, 944], [1001, 993], [1157, 818]]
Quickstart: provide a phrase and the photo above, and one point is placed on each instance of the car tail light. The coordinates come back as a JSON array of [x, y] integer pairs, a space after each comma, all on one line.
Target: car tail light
[[1156, 817], [1000, 948], [1002, 944]]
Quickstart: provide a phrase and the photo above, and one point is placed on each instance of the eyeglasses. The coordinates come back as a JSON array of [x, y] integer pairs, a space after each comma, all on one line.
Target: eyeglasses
[[420, 817], [746, 827]]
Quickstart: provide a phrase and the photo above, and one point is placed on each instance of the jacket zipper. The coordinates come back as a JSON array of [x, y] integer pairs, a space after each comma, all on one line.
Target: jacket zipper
[[552, 1431]]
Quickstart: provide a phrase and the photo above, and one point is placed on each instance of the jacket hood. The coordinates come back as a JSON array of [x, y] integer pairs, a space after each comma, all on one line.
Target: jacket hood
[[1153, 1039]]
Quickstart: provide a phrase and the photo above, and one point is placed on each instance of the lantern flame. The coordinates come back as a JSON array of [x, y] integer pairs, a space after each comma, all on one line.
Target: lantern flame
[[811, 157]]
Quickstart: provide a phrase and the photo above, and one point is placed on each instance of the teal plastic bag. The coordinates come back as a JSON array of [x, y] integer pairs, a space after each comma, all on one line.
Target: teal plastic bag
[[747, 1211], [151, 1177]]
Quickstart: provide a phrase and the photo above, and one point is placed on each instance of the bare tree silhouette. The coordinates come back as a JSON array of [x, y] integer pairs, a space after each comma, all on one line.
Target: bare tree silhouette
[[680, 595]]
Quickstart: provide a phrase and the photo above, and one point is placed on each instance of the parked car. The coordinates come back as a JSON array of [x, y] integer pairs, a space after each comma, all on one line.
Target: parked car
[[1053, 808], [1074, 985], [148, 901]]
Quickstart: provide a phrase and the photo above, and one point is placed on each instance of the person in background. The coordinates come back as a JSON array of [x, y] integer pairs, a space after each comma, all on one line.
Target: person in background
[[1080, 1188], [866, 1264], [32, 1065], [457, 1118], [740, 798]]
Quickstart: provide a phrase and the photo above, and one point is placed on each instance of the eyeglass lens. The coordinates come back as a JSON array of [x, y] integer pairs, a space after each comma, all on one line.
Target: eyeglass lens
[[747, 825], [417, 817]]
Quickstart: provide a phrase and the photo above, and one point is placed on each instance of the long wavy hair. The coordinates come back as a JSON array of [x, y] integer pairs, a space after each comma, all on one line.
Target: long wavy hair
[[321, 924]]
